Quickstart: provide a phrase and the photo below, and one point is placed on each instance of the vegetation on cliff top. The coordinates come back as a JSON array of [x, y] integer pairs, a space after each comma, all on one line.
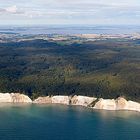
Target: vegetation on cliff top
[[107, 69]]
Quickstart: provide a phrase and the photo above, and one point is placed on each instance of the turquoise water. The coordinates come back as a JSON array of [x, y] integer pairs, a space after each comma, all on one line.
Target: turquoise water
[[58, 122]]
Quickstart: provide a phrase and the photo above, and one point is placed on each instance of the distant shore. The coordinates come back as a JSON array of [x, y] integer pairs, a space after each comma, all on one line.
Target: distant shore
[[92, 102]]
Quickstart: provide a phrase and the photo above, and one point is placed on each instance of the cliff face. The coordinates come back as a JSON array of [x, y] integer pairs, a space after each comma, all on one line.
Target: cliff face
[[133, 106], [61, 100], [118, 104], [20, 98], [43, 100], [14, 98], [53, 99], [82, 100], [75, 100], [5, 98], [107, 104]]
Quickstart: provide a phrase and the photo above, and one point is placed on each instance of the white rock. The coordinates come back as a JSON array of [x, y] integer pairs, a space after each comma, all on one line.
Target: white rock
[[20, 98], [43, 100], [14, 98], [61, 100], [133, 106], [82, 100], [5, 98], [107, 104], [121, 104], [118, 104]]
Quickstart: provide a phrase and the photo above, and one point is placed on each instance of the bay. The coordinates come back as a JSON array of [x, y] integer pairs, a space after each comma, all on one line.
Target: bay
[[60, 122]]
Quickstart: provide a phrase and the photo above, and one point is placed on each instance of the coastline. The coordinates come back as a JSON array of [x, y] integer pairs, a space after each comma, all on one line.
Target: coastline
[[103, 104]]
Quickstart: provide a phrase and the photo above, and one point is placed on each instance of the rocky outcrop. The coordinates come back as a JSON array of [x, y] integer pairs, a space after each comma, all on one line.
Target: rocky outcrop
[[14, 98], [5, 98], [43, 100], [82, 100], [20, 98], [53, 99], [107, 104], [121, 103], [61, 100], [68, 100], [118, 104], [133, 106]]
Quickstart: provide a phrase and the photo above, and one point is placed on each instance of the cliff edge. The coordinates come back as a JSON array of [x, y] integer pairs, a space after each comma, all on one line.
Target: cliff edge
[[14, 98], [106, 104]]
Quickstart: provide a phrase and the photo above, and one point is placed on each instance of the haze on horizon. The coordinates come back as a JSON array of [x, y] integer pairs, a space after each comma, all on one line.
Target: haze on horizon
[[86, 12]]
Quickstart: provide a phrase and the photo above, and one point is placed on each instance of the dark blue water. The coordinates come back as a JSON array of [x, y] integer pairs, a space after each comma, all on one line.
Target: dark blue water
[[58, 122]]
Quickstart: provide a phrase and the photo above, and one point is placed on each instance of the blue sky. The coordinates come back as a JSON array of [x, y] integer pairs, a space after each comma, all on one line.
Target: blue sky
[[34, 12]]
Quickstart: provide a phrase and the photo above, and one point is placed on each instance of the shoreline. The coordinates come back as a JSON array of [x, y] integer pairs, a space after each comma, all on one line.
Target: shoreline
[[91, 102]]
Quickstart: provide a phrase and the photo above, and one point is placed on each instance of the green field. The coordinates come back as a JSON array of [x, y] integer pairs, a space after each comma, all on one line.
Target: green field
[[107, 69]]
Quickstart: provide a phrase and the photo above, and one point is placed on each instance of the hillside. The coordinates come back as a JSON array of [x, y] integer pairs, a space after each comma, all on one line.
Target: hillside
[[102, 68]]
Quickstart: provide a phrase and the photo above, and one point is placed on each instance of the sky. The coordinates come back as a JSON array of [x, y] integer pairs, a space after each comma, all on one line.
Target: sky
[[85, 12]]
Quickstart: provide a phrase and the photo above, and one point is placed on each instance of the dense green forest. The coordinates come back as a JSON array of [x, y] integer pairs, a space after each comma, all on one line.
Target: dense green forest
[[104, 68]]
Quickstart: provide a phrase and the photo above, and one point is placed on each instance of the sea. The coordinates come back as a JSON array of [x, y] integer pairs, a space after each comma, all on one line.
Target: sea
[[62, 122], [71, 29]]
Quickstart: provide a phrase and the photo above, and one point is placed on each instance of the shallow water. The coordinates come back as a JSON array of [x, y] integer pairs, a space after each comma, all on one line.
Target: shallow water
[[58, 122]]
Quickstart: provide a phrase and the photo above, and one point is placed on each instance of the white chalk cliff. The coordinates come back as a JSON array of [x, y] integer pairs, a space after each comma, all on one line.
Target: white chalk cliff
[[68, 100], [14, 98], [54, 100], [118, 104], [82, 100], [107, 104], [43, 100], [61, 100]]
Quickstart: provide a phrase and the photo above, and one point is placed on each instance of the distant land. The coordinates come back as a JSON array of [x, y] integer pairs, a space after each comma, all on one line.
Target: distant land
[[96, 65]]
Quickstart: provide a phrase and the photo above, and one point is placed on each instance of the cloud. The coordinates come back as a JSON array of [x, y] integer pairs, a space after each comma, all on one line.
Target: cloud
[[75, 11], [11, 9]]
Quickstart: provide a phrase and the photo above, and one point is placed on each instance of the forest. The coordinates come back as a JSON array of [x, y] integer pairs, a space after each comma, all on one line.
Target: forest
[[102, 68]]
